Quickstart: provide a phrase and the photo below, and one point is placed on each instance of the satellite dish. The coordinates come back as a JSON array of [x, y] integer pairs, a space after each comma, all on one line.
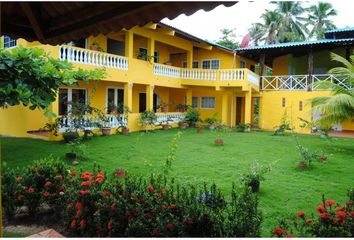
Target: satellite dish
[[245, 41]]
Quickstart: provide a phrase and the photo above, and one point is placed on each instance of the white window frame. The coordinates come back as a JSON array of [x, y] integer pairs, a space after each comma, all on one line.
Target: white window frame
[[201, 101], [185, 62], [11, 40], [195, 97], [70, 95], [210, 60], [115, 94], [245, 63]]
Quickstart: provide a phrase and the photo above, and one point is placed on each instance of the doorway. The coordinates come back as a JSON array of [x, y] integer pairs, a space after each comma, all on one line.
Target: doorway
[[238, 110], [142, 102]]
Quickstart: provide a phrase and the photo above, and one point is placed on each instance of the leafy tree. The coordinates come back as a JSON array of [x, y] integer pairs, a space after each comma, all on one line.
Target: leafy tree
[[226, 39], [31, 77], [339, 107], [318, 19]]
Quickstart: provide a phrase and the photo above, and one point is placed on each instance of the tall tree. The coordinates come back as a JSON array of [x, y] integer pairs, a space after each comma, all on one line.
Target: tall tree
[[340, 106], [291, 24], [319, 20], [226, 39]]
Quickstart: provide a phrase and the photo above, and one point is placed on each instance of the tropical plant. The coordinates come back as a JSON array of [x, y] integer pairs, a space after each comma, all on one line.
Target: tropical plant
[[226, 39], [147, 119], [318, 19], [243, 127], [255, 175], [339, 107], [192, 116]]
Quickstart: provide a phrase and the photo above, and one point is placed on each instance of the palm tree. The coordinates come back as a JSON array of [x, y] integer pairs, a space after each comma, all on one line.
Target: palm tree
[[318, 19], [291, 27], [339, 107]]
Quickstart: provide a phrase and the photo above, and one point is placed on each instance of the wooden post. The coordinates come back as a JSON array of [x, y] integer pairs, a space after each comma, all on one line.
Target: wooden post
[[261, 69], [309, 69], [129, 42], [1, 232]]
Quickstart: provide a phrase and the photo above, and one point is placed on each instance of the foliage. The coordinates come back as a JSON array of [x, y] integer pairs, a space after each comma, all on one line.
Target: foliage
[[173, 150], [32, 78], [318, 19], [340, 106], [284, 125], [334, 220], [212, 120], [192, 116], [78, 148], [256, 173], [147, 119], [226, 39], [182, 107], [70, 136], [243, 127]]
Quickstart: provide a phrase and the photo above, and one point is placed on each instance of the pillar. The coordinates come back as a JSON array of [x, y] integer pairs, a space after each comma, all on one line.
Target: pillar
[[150, 97], [224, 107], [128, 96], [261, 69], [190, 58], [309, 69], [248, 103], [129, 44], [151, 49], [189, 97]]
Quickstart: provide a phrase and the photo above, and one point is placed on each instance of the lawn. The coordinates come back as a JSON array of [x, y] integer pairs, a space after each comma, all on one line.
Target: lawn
[[286, 189]]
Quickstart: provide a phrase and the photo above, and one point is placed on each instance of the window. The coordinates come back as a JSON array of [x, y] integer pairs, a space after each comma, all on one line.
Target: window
[[194, 102], [207, 102], [195, 64], [300, 106], [68, 95], [9, 42], [242, 64], [115, 99], [143, 54], [211, 64], [283, 102]]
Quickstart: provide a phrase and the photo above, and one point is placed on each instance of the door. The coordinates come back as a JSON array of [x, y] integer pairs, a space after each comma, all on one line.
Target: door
[[142, 102], [115, 47], [238, 110]]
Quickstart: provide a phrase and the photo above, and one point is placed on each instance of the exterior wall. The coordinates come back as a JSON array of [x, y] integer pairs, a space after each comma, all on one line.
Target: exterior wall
[[280, 65]]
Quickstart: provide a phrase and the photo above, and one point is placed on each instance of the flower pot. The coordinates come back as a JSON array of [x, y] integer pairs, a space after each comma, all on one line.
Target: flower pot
[[70, 156], [323, 158], [302, 165], [199, 130], [254, 184], [106, 131], [125, 131], [182, 125], [165, 126], [219, 142], [164, 109]]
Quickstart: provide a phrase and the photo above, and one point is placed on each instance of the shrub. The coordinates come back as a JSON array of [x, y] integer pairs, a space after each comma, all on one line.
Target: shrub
[[243, 127], [192, 116], [70, 136]]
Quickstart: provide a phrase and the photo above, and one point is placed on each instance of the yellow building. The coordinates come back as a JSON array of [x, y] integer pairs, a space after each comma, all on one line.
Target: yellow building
[[156, 64]]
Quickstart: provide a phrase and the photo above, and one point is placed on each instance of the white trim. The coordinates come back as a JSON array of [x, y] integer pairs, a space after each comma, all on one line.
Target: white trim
[[70, 96], [3, 42], [207, 97], [210, 59], [115, 95]]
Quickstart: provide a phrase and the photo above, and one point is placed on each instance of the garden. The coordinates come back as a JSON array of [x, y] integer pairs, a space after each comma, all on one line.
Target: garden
[[171, 183]]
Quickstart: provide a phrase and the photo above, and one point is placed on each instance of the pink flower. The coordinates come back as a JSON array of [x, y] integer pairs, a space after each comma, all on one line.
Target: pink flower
[[172, 206], [73, 224], [31, 190], [120, 173], [46, 194], [47, 184]]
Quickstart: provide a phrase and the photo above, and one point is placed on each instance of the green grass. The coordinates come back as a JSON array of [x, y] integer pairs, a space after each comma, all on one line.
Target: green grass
[[14, 235], [286, 189]]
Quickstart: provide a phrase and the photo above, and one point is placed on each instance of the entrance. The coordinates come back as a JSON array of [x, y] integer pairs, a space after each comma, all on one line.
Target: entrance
[[142, 102], [238, 110]]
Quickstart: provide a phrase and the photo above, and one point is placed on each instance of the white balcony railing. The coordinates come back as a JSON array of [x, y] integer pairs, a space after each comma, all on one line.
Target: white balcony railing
[[253, 77], [300, 82], [167, 71], [232, 74], [86, 56], [199, 74], [169, 117], [68, 123]]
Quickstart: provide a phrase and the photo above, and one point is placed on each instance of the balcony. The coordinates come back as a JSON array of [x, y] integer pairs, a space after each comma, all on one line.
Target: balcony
[[144, 72], [302, 82]]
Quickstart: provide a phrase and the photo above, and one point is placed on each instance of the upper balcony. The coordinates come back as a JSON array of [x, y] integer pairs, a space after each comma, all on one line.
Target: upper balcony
[[125, 69]]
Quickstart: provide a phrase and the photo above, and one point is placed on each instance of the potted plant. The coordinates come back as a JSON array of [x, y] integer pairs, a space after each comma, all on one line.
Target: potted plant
[[255, 176], [165, 123], [163, 106], [200, 126], [77, 150], [181, 107], [219, 142], [192, 117], [212, 122], [122, 118], [96, 47], [243, 127], [148, 119], [182, 124], [104, 123]]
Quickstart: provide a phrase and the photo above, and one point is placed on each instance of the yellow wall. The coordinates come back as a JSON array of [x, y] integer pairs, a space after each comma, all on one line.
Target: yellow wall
[[280, 65]]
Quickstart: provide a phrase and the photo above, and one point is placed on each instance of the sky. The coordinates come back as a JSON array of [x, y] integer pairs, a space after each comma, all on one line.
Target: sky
[[207, 25]]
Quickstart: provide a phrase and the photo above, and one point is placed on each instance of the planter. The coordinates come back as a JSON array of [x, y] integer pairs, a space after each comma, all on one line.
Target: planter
[[254, 184], [323, 158], [165, 126], [106, 131], [219, 142], [199, 130], [302, 165], [125, 131], [164, 109], [212, 126], [182, 125], [70, 156]]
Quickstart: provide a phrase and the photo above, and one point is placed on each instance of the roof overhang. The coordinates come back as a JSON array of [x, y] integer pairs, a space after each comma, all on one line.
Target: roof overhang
[[58, 22]]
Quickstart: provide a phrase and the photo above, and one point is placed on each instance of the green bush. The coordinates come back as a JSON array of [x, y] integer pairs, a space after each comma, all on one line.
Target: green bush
[[241, 127], [70, 136], [192, 116]]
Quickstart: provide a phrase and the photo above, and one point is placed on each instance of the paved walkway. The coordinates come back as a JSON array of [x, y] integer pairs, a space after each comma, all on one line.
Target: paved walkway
[[50, 233], [343, 134]]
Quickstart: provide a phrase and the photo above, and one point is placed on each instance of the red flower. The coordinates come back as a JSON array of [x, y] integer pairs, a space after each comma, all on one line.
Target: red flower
[[86, 175], [339, 208], [82, 193], [172, 206], [278, 231], [46, 194], [99, 177], [82, 223], [324, 216], [289, 236], [18, 179], [329, 203], [164, 206], [109, 225], [73, 224], [320, 208], [350, 203], [120, 173], [86, 184], [309, 221], [106, 193], [114, 207], [156, 232], [170, 227], [150, 188], [79, 206], [301, 214], [20, 197], [60, 177], [341, 214], [73, 172], [351, 214], [77, 215], [31, 190], [47, 184]]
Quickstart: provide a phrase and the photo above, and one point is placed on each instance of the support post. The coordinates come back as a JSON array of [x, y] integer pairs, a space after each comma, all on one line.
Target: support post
[[190, 58], [129, 42], [261, 69], [224, 109], [128, 96], [150, 97], [151, 49], [309, 69], [189, 97], [248, 103]]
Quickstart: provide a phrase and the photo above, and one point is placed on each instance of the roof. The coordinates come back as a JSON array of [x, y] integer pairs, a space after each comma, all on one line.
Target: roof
[[58, 22], [341, 30], [188, 36], [347, 32]]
